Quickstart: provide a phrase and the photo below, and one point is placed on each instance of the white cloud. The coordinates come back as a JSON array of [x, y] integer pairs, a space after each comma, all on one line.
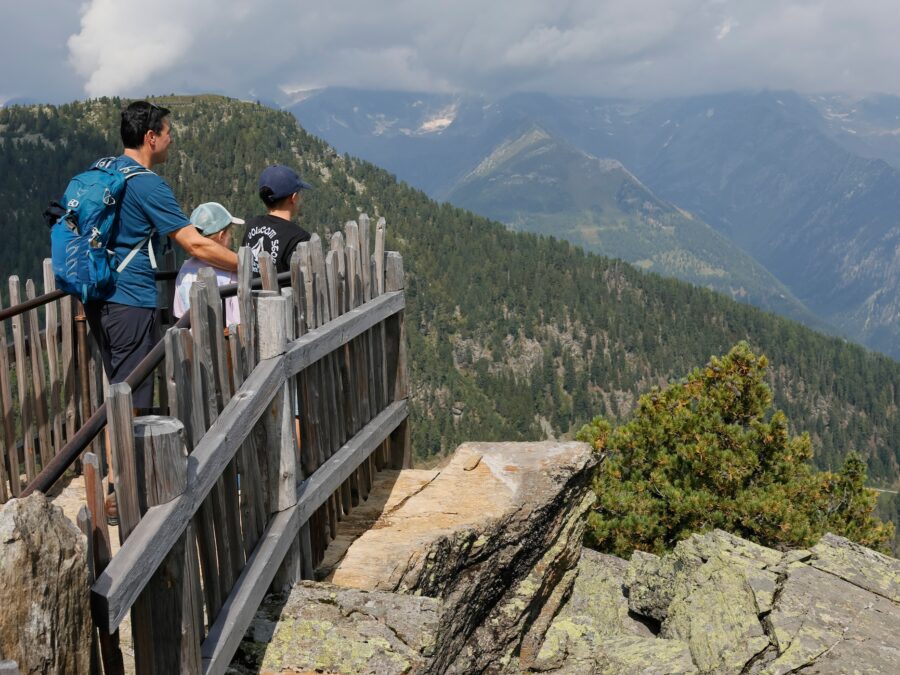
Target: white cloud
[[602, 47]]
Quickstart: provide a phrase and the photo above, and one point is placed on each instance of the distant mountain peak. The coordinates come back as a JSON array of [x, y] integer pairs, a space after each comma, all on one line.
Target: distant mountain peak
[[509, 149]]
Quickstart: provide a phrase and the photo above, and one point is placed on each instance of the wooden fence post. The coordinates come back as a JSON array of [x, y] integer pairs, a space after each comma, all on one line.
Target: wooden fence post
[[398, 382], [53, 370], [38, 381], [271, 331], [26, 402], [120, 414], [8, 417], [164, 626]]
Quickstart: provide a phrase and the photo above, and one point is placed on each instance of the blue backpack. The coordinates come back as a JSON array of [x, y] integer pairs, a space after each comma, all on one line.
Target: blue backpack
[[82, 227]]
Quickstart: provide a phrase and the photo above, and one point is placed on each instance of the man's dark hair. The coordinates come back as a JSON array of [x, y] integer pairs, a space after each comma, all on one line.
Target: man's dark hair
[[139, 118], [266, 194]]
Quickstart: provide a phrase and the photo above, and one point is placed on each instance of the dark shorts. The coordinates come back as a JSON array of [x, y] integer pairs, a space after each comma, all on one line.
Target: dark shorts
[[125, 335]]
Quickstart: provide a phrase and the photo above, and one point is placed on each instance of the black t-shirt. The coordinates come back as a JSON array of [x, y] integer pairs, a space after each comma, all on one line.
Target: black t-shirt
[[276, 236]]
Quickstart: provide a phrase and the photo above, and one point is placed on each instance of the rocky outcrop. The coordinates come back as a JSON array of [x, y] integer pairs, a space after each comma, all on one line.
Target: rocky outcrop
[[478, 567], [45, 622], [489, 544], [596, 631], [726, 605], [325, 628]]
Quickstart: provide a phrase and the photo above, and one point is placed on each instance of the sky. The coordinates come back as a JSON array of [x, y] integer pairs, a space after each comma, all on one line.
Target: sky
[[59, 50]]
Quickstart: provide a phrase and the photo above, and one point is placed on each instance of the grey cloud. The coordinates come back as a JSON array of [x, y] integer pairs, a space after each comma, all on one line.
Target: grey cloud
[[600, 47], [33, 51]]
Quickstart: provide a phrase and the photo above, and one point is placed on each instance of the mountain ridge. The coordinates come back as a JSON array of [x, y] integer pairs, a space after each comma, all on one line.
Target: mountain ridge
[[763, 168], [537, 183]]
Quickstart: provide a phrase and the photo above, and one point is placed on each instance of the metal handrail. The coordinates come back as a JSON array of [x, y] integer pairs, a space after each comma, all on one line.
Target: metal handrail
[[67, 455]]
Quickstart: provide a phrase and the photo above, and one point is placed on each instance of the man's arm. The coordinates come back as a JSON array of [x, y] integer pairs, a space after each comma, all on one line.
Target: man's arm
[[205, 249]]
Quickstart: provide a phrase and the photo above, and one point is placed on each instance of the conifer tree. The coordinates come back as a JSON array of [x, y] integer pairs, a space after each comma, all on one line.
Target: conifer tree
[[706, 453]]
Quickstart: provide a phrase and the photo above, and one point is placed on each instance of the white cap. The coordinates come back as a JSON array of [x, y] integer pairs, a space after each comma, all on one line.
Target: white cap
[[212, 217]]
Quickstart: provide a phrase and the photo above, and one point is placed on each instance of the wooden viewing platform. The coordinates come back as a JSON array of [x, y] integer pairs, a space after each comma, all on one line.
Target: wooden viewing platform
[[271, 432]]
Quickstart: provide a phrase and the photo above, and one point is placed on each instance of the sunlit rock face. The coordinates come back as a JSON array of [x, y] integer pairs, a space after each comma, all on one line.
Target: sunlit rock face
[[474, 560], [45, 621]]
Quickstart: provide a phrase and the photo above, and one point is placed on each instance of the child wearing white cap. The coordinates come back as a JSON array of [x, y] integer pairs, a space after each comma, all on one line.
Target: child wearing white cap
[[214, 221]]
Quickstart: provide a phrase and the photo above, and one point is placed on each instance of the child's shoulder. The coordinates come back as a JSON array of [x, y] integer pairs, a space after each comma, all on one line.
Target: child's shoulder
[[189, 267]]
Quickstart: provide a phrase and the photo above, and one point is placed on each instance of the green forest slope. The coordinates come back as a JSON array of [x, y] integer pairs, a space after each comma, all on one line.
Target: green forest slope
[[512, 336]]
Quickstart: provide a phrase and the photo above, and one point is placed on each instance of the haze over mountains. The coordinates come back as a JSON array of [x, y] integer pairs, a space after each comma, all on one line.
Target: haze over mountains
[[802, 184]]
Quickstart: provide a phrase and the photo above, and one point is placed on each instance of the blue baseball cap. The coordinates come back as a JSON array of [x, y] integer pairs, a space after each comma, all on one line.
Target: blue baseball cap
[[279, 181]]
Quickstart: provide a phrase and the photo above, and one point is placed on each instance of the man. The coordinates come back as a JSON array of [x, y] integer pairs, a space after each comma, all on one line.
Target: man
[[275, 233], [125, 323]]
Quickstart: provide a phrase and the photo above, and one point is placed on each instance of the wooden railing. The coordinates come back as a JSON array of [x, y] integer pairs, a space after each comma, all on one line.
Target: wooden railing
[[274, 434], [51, 376]]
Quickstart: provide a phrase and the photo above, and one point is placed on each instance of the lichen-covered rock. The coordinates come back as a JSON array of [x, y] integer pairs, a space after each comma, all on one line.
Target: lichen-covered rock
[[45, 623], [716, 614], [589, 633], [823, 621], [598, 597], [325, 628], [631, 655], [730, 606], [858, 565], [653, 581]]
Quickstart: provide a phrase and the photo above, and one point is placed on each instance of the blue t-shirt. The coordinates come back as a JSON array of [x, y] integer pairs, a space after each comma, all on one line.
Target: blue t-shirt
[[148, 204]]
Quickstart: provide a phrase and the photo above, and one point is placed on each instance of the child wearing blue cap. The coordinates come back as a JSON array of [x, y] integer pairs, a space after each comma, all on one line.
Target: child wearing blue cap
[[275, 233], [213, 221]]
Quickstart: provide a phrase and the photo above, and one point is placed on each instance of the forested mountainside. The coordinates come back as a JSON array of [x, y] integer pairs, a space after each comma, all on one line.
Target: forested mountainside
[[538, 183], [512, 336], [789, 179]]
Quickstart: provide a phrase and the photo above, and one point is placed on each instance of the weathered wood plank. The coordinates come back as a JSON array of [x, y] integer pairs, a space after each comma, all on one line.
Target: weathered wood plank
[[334, 309], [67, 362], [364, 252], [26, 403], [38, 379], [8, 419], [230, 500], [380, 231], [101, 552], [272, 331], [358, 347], [179, 355], [93, 490], [204, 384], [83, 521], [395, 361], [217, 336], [120, 416], [51, 328], [252, 516], [231, 624], [83, 359], [267, 272], [165, 633], [247, 332]]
